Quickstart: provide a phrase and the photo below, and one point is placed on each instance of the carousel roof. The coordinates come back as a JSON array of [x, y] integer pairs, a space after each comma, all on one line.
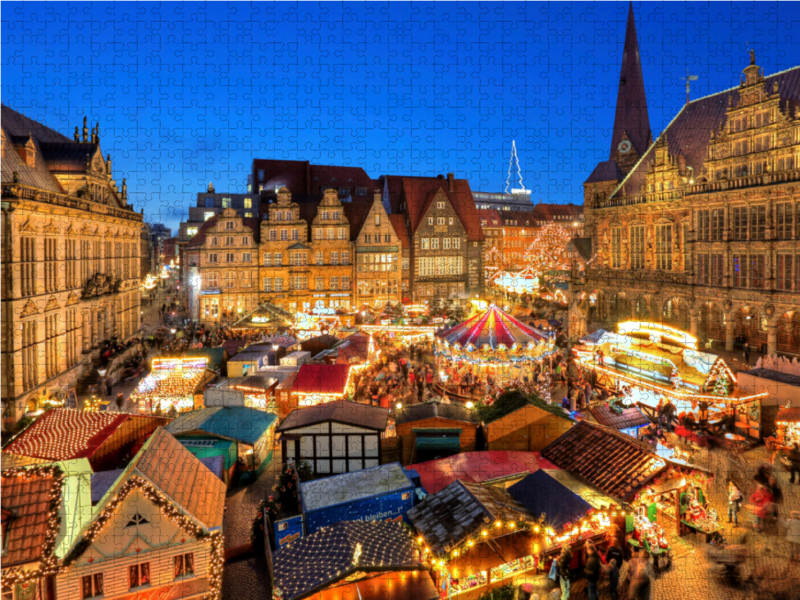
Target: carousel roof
[[492, 327]]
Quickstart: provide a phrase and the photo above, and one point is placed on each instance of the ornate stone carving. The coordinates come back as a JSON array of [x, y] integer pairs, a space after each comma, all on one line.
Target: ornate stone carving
[[29, 309], [52, 304], [100, 285]]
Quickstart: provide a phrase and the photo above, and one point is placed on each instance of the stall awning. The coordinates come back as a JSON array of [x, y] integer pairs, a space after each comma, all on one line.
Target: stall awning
[[438, 443]]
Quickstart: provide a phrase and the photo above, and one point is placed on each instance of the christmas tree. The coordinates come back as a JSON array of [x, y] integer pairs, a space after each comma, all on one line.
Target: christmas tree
[[723, 382]]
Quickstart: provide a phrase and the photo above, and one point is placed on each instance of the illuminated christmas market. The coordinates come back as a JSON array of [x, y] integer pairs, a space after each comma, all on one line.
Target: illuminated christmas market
[[424, 301]]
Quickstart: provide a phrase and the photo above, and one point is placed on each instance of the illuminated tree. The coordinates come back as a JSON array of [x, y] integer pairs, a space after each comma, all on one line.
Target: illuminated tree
[[547, 251]]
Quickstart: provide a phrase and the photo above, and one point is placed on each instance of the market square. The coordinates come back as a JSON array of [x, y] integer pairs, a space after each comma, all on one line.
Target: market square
[[286, 318]]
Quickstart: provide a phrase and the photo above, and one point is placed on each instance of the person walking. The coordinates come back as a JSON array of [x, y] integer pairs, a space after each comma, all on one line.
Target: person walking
[[614, 552], [762, 505], [613, 577], [794, 462], [735, 498], [747, 352], [793, 535], [592, 570], [562, 568]]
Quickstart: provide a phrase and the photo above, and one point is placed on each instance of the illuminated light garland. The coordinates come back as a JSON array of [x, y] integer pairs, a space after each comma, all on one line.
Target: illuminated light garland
[[49, 564], [684, 338]]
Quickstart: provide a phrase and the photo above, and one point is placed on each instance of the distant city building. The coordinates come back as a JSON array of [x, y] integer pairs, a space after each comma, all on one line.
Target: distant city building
[[499, 201]]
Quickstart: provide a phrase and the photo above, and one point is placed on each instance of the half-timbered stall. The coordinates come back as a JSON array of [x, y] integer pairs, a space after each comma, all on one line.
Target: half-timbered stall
[[336, 437]]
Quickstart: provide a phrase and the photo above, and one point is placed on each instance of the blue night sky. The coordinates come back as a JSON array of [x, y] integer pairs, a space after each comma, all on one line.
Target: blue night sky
[[188, 93]]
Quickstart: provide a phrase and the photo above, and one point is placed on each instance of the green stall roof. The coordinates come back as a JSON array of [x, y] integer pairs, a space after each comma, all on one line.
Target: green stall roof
[[204, 447]]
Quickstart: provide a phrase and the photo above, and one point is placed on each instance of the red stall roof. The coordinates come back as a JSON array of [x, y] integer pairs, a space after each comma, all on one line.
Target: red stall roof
[[477, 467], [321, 379]]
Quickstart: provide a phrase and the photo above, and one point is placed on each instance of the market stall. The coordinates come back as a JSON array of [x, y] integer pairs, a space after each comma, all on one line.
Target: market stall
[[675, 502], [476, 537], [490, 345], [787, 422], [173, 383], [648, 364]]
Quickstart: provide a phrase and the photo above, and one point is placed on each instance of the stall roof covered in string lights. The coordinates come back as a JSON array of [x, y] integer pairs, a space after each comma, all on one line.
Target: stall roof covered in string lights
[[462, 510], [333, 553], [68, 433]]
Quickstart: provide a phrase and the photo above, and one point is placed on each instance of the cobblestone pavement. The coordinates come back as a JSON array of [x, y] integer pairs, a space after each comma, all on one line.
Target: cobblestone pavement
[[242, 502], [246, 579]]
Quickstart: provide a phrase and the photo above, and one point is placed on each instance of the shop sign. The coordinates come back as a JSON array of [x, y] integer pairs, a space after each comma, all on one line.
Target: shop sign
[[379, 248], [210, 292], [288, 530]]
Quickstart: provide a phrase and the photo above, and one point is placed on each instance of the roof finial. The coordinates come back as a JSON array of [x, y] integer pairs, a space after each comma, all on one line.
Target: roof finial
[[752, 56], [85, 131]]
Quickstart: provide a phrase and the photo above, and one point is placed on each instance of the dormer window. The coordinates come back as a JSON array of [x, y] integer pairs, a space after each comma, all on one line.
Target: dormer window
[[137, 519], [229, 225]]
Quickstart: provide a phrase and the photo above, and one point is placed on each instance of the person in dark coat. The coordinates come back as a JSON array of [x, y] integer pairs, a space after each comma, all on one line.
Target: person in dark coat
[[614, 552], [562, 566], [592, 570], [794, 462], [613, 577]]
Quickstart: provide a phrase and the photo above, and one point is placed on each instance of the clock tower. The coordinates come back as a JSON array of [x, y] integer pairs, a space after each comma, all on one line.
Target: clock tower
[[632, 135]]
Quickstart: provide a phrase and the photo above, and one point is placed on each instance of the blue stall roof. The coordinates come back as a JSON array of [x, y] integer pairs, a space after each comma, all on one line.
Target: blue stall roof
[[541, 493], [357, 485], [238, 423]]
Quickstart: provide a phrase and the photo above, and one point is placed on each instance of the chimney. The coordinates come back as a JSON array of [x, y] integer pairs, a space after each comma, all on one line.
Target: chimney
[[451, 182], [376, 196]]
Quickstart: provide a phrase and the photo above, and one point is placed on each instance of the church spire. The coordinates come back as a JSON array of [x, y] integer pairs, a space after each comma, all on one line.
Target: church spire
[[631, 122]]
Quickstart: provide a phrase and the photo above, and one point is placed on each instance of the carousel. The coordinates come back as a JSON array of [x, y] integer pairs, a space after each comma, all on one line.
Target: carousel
[[491, 345]]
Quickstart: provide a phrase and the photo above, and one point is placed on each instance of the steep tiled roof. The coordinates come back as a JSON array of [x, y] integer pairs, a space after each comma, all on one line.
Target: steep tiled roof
[[583, 246], [180, 475], [327, 556], [611, 461], [631, 117], [451, 516], [490, 217], [200, 237], [65, 433], [608, 170], [689, 132], [547, 211], [321, 379], [419, 192], [17, 124], [399, 224], [68, 157], [412, 413], [520, 218], [630, 417], [27, 500], [343, 411], [356, 213]]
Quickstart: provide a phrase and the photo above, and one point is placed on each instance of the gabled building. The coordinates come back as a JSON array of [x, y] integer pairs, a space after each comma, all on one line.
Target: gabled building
[[157, 530], [445, 236], [699, 230], [378, 252], [70, 263], [226, 250]]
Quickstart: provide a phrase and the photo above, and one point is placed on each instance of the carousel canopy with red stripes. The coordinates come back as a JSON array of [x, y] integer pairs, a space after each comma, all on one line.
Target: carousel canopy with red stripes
[[492, 328]]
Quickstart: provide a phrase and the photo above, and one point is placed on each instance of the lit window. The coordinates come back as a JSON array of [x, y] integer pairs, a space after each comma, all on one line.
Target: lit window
[[207, 215], [248, 203]]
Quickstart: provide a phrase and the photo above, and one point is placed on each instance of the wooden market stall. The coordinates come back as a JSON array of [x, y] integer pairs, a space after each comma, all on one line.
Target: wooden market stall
[[433, 430], [475, 537], [617, 465], [348, 559], [173, 384], [529, 428]]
